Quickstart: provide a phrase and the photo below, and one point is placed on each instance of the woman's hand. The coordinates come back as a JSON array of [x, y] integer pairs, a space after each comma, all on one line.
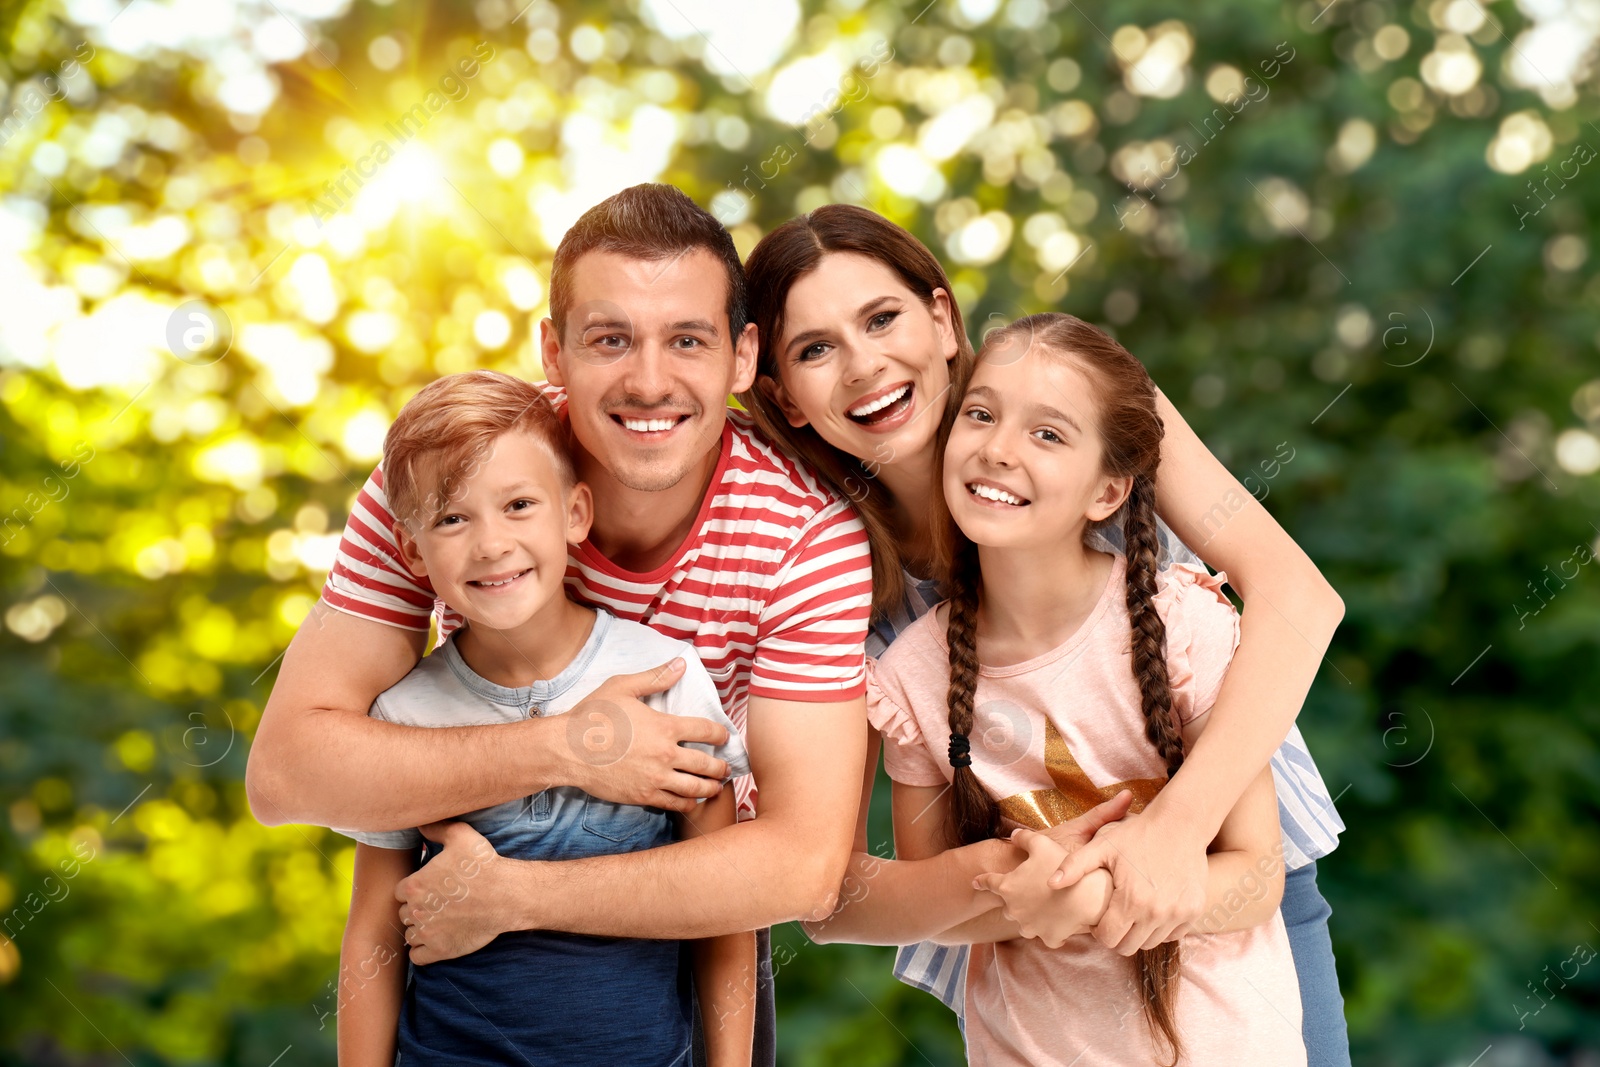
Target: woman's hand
[[1158, 872]]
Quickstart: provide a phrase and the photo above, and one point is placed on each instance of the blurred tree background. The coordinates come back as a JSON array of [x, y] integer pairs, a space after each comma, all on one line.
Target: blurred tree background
[[1350, 239]]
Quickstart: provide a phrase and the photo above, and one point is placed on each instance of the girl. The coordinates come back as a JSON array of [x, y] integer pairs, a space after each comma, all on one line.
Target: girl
[[1107, 668], [861, 345]]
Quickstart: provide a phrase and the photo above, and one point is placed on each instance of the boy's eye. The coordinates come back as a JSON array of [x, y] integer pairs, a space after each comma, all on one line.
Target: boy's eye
[[523, 504], [452, 520]]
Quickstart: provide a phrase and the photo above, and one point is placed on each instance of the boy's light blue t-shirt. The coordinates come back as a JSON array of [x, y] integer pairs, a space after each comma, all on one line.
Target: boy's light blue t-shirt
[[598, 1000], [443, 691]]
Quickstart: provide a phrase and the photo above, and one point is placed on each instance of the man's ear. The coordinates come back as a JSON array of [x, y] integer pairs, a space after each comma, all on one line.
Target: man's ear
[[409, 552], [944, 322], [580, 513], [773, 390], [1111, 497], [550, 352], [746, 351]]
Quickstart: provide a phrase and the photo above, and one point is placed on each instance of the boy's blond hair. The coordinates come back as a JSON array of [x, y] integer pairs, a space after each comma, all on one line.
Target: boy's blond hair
[[444, 432]]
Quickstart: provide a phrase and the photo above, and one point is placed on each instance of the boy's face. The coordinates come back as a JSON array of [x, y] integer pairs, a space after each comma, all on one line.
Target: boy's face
[[648, 364], [497, 550]]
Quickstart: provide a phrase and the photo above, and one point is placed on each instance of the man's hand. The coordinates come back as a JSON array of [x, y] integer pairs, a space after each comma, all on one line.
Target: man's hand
[[1158, 876], [460, 900], [624, 751]]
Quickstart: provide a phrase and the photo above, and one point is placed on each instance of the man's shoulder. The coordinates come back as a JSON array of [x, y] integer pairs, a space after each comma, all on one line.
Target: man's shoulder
[[765, 473]]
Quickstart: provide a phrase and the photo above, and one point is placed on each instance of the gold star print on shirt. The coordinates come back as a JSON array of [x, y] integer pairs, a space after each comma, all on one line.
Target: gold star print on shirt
[[1074, 793]]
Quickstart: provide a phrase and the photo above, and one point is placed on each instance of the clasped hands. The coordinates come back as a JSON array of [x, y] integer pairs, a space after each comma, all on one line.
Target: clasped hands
[[1134, 882]]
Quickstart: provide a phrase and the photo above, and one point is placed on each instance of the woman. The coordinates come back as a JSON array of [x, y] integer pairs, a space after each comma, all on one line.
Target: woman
[[863, 354]]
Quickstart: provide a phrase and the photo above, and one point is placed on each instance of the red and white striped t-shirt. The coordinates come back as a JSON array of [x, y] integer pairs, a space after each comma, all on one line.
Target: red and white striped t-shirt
[[772, 586]]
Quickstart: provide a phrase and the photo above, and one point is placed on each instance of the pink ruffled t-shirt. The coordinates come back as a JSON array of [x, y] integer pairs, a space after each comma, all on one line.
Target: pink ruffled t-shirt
[[1051, 738]]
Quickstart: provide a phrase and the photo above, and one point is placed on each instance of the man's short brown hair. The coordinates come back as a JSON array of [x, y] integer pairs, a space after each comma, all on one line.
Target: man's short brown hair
[[651, 222], [444, 433]]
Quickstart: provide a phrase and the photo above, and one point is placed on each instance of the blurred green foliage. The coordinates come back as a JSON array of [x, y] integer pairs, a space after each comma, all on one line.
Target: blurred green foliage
[[1356, 233]]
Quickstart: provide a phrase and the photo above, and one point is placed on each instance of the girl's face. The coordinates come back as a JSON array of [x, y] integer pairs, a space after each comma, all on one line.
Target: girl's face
[[863, 360], [1023, 465]]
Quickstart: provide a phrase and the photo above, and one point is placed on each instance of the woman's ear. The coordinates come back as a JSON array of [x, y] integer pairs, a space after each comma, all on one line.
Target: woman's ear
[[944, 322], [773, 390], [409, 552], [580, 513], [1113, 493]]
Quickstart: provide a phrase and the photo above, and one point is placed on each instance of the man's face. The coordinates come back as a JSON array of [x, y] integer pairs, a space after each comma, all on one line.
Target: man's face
[[648, 364]]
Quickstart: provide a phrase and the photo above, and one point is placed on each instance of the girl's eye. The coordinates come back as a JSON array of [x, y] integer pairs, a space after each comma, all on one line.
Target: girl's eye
[[882, 319], [979, 415], [1051, 436]]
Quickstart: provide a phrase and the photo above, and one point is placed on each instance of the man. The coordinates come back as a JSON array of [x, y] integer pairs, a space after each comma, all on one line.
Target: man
[[702, 530]]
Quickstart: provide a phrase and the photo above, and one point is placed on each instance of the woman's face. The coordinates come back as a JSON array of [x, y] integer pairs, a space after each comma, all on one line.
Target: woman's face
[[863, 360]]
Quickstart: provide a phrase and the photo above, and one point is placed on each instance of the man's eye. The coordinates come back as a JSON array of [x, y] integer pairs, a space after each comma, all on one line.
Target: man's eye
[[690, 342]]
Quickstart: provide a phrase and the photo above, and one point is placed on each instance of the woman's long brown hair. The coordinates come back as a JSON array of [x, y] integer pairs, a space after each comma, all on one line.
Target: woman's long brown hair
[[782, 258], [1130, 434]]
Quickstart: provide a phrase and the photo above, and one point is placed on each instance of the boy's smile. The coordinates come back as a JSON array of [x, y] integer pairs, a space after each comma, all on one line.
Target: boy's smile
[[496, 550]]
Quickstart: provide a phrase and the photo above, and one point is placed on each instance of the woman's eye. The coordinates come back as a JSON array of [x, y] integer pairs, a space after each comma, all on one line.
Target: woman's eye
[[815, 351], [882, 319]]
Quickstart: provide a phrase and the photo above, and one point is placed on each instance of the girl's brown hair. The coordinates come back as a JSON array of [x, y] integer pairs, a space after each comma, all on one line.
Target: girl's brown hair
[[1130, 434], [782, 258]]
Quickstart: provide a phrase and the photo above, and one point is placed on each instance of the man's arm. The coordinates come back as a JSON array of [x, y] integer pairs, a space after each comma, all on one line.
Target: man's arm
[[319, 758], [785, 865]]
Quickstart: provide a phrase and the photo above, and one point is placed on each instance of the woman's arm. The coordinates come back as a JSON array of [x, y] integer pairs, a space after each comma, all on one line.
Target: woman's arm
[[724, 967], [372, 960], [1290, 614], [1157, 859]]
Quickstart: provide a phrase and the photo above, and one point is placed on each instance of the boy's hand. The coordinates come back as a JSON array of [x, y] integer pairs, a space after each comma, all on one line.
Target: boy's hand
[[624, 751], [458, 901]]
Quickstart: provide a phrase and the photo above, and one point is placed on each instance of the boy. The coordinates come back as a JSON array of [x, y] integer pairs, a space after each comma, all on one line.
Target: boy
[[486, 503]]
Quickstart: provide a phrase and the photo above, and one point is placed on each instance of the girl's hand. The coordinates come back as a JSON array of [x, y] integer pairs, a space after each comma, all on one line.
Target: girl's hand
[[1026, 899]]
